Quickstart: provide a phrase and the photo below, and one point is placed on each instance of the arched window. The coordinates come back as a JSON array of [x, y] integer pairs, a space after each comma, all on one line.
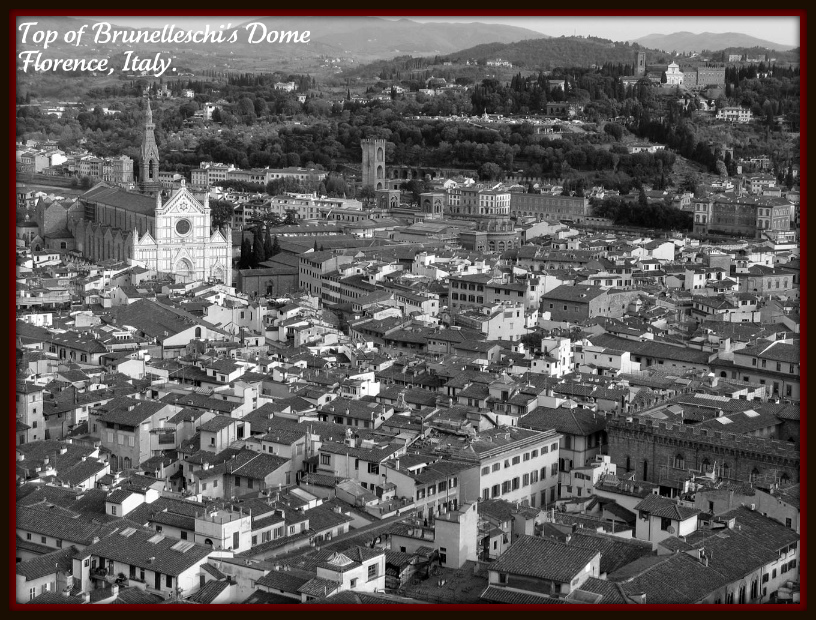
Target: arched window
[[646, 470], [209, 542], [754, 474], [197, 332], [628, 463], [726, 470], [679, 461], [706, 464], [784, 479], [126, 463]]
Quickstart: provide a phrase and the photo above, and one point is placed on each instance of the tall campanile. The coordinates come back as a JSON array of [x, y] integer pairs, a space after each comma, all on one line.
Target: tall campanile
[[149, 166]]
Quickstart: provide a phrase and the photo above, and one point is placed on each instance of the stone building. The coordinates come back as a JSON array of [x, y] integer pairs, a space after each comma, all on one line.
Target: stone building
[[652, 450]]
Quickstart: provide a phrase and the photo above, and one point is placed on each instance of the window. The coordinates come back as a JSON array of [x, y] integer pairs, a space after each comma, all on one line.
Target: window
[[516, 483], [373, 468], [554, 469], [788, 523], [525, 481], [505, 487], [237, 481], [353, 583], [544, 450], [372, 571], [183, 535], [534, 454], [113, 510], [485, 493], [496, 491], [665, 523], [485, 471], [507, 463], [496, 466], [325, 459], [249, 483], [516, 460], [534, 476]]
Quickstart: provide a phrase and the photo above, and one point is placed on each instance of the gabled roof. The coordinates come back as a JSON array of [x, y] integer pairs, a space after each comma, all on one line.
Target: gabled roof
[[659, 506], [544, 559]]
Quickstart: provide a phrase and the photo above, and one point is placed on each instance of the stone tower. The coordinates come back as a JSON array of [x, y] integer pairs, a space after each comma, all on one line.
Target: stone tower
[[432, 204], [640, 64], [149, 165], [373, 163]]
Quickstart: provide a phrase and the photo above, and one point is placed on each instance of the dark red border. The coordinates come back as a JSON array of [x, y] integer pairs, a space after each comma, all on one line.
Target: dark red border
[[801, 13]]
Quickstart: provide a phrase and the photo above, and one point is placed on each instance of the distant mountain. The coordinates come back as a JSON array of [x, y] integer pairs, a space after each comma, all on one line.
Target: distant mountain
[[690, 42], [362, 38], [367, 38]]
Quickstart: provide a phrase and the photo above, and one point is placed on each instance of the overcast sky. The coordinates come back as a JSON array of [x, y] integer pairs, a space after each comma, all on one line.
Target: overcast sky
[[784, 30]]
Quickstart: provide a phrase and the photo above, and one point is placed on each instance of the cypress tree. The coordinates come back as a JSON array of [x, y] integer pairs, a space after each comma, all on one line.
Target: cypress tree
[[268, 245], [246, 253], [258, 254], [276, 249]]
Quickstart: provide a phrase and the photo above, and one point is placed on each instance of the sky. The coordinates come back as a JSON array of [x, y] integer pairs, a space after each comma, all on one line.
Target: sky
[[784, 30]]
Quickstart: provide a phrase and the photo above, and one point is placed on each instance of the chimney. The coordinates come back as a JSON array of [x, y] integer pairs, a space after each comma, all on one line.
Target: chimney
[[86, 597]]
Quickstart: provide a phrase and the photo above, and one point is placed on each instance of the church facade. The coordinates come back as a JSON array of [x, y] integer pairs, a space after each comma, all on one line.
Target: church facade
[[174, 236]]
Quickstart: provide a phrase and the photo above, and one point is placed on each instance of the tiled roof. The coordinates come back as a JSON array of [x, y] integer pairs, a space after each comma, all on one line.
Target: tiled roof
[[611, 592], [217, 423], [318, 587], [58, 524], [210, 591], [659, 506], [136, 596], [572, 421], [142, 410], [615, 552], [43, 565], [544, 559], [136, 550], [284, 581], [497, 594]]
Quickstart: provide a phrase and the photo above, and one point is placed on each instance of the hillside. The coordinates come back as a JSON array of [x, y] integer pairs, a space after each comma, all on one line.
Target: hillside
[[691, 42], [556, 52]]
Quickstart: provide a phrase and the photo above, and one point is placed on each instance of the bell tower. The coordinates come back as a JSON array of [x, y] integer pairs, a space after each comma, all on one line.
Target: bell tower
[[149, 165], [373, 163], [640, 64]]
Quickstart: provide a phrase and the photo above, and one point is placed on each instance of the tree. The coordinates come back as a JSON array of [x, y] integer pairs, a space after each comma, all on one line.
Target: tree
[[490, 171], [74, 182], [85, 182], [276, 248], [614, 130], [291, 218], [367, 194], [246, 254], [258, 254], [268, 244], [722, 169], [642, 200], [221, 212]]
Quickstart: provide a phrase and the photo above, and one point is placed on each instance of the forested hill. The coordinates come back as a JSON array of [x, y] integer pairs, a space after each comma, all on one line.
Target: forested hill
[[556, 52]]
